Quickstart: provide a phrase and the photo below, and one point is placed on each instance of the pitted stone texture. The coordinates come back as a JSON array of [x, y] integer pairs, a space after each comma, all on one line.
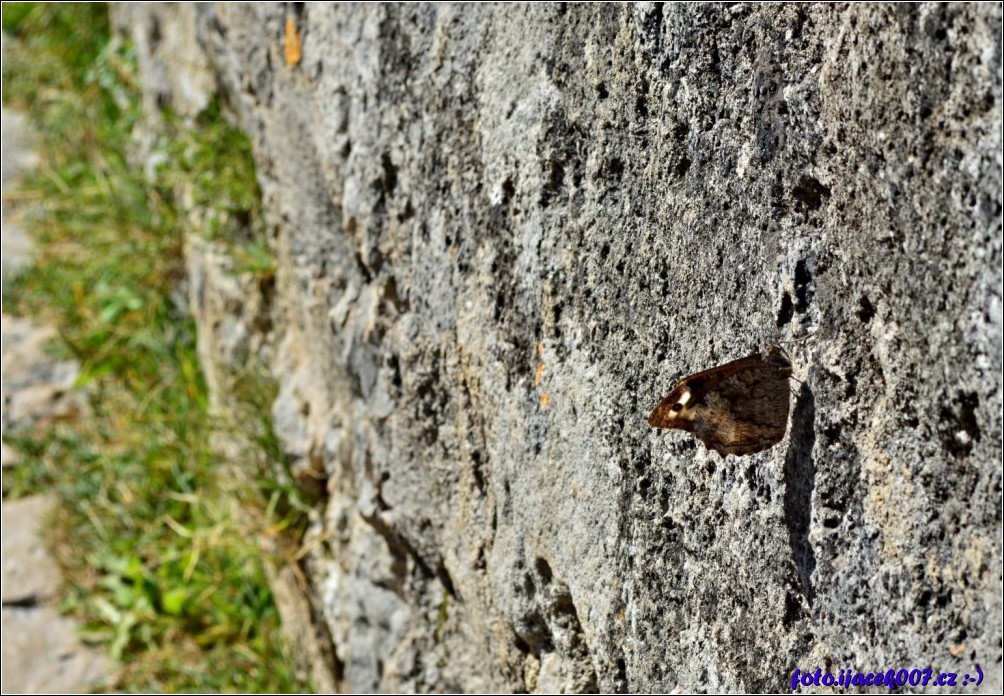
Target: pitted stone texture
[[503, 231]]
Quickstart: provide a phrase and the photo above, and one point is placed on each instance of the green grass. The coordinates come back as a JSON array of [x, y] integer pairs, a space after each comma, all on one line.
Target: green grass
[[163, 562]]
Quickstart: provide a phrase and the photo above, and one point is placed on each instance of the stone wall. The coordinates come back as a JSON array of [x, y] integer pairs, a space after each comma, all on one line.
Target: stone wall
[[503, 231]]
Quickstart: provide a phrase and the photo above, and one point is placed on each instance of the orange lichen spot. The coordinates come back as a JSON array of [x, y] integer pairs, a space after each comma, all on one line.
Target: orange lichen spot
[[957, 650], [545, 400], [540, 348], [540, 374], [293, 47]]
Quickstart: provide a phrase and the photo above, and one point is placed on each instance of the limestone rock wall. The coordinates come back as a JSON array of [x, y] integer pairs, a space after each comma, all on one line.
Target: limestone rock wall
[[502, 233]]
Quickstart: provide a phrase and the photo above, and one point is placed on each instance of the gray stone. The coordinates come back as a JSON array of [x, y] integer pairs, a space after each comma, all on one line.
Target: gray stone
[[188, 90], [36, 387], [30, 575], [41, 655], [11, 457], [503, 231], [17, 155]]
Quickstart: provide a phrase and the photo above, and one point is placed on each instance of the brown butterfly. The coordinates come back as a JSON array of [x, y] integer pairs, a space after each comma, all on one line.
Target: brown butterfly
[[737, 408]]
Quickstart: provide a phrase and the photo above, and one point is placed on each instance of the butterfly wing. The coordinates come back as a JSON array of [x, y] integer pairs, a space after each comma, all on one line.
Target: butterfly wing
[[747, 411], [737, 408]]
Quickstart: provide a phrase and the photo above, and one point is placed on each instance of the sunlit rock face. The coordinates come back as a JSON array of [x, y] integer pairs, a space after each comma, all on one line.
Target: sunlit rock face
[[503, 233]]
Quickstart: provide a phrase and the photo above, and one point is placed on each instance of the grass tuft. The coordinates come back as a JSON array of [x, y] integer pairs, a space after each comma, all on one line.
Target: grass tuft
[[160, 562]]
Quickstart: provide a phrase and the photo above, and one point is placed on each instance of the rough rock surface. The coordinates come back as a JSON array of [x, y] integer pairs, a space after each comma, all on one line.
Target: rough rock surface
[[502, 231]]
